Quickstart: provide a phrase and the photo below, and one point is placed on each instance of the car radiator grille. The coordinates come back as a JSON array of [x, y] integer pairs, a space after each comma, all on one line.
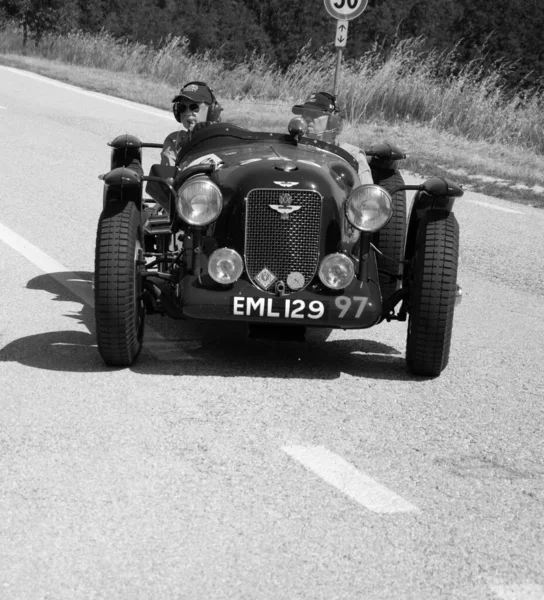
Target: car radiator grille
[[284, 245]]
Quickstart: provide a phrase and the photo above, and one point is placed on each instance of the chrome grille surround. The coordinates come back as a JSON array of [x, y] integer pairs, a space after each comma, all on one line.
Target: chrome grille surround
[[283, 244]]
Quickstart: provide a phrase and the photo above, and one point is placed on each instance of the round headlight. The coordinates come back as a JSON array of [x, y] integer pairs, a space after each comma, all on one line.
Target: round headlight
[[225, 265], [199, 201], [369, 208], [336, 271]]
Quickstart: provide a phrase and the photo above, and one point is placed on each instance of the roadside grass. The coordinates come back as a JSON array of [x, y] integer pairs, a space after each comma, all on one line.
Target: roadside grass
[[499, 170], [465, 128]]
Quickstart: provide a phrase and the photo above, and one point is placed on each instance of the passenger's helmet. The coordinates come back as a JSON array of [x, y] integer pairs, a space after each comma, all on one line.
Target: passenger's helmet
[[319, 104]]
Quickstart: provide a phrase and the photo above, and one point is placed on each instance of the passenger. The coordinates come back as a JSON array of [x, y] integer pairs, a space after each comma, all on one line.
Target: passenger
[[194, 104], [322, 114]]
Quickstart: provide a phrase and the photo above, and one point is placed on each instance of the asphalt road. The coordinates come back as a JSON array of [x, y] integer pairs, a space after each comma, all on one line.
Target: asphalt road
[[220, 468]]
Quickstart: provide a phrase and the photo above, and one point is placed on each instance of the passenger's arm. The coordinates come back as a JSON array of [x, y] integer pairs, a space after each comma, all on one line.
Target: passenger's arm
[[363, 170], [365, 174]]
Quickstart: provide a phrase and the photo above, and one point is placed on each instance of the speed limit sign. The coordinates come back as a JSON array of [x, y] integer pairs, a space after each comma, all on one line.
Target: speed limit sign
[[345, 9]]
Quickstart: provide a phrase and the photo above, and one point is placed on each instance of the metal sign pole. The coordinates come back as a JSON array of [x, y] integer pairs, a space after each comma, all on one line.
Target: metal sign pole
[[337, 72], [340, 44]]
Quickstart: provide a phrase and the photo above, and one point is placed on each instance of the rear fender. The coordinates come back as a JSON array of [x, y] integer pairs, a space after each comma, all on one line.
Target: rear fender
[[125, 149]]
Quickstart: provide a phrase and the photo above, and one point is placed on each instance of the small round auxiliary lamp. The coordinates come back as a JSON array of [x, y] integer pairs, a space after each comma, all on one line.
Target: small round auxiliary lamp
[[297, 127]]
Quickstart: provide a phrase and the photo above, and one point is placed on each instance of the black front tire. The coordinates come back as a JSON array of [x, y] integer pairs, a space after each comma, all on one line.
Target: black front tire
[[119, 310], [432, 295], [390, 240]]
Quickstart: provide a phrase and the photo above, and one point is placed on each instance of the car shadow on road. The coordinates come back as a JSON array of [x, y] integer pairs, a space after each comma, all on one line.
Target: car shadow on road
[[188, 348], [68, 349], [224, 350]]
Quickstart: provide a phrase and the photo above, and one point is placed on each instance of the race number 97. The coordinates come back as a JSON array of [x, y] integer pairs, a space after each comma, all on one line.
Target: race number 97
[[352, 307], [345, 9]]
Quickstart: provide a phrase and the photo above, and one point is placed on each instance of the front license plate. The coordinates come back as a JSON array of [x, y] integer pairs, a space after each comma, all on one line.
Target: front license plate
[[278, 308]]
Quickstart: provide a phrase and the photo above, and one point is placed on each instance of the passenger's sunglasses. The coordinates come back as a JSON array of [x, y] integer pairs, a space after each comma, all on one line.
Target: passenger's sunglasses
[[192, 107], [313, 114]]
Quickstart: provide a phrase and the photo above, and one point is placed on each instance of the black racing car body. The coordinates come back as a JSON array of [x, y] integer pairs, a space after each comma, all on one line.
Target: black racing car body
[[267, 229]]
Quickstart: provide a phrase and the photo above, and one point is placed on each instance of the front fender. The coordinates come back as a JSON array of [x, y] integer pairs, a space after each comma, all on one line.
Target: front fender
[[122, 184], [384, 156], [434, 201]]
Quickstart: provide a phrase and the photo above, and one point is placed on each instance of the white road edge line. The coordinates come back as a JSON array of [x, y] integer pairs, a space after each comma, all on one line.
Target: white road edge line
[[520, 591], [163, 349], [495, 207], [349, 480], [127, 103], [38, 258]]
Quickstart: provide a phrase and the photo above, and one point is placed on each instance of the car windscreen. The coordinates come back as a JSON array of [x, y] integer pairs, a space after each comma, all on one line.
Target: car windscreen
[[220, 140]]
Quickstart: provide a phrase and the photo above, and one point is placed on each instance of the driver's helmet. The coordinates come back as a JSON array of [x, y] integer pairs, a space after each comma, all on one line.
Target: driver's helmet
[[322, 114], [197, 92]]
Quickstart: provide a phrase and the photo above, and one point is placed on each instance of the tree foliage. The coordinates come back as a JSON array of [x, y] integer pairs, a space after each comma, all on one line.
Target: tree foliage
[[38, 17], [497, 32]]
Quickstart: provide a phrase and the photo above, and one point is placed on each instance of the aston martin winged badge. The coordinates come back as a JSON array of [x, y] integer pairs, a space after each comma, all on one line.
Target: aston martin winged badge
[[285, 207], [287, 184]]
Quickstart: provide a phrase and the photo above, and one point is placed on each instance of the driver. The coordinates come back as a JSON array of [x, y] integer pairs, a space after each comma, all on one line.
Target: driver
[[194, 104], [324, 120]]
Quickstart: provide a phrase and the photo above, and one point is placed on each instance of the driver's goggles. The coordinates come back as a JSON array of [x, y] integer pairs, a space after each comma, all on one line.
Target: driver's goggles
[[192, 107]]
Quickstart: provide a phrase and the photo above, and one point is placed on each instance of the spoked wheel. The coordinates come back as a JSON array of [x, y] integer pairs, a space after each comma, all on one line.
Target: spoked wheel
[[432, 295], [390, 239], [119, 310]]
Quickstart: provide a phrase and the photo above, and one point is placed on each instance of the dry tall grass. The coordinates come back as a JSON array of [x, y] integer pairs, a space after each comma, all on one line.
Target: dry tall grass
[[407, 85]]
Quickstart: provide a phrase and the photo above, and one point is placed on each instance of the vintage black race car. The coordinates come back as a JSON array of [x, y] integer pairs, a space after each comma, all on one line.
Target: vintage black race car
[[274, 230]]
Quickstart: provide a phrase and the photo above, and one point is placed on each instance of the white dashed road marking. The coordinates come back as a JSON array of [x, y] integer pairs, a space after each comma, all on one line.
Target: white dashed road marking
[[159, 347], [349, 480], [38, 258]]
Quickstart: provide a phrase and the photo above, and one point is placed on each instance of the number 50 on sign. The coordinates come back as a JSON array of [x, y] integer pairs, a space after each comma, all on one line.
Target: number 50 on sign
[[345, 9]]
